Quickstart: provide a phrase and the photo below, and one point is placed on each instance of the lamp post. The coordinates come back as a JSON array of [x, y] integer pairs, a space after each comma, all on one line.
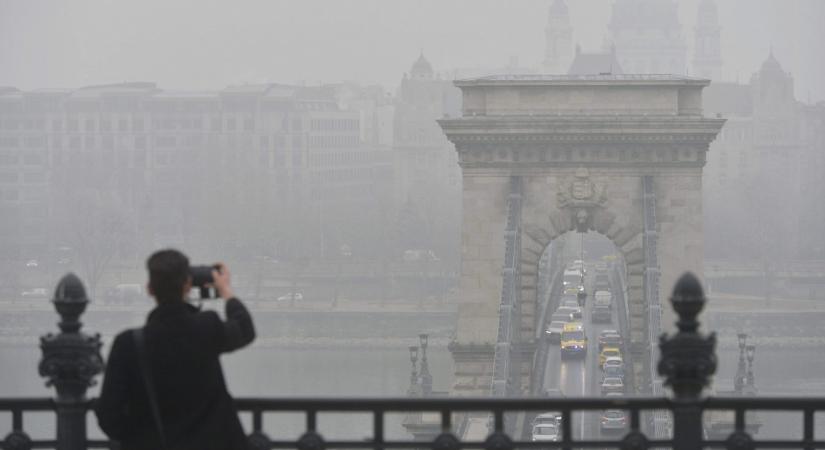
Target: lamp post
[[740, 377], [750, 350], [426, 378], [413, 390]]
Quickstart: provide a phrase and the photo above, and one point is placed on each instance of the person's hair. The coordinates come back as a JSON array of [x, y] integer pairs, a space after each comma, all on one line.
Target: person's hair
[[168, 273]]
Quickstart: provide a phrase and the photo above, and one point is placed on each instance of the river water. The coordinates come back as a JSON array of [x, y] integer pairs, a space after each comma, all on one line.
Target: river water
[[267, 372], [384, 371]]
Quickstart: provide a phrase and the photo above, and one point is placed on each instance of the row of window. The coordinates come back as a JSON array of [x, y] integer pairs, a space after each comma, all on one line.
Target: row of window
[[91, 141], [333, 124], [123, 124]]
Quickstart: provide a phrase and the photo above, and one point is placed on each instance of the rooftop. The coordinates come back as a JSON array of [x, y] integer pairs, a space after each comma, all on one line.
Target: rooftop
[[596, 79]]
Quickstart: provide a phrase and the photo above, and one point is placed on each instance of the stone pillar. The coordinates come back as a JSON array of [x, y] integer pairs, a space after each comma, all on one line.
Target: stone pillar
[[482, 249], [681, 236]]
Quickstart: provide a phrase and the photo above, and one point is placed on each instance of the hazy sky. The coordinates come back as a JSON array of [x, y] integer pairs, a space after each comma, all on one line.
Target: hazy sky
[[198, 44]]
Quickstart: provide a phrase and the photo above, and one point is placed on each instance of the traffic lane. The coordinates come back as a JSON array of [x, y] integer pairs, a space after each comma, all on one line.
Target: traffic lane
[[595, 379]]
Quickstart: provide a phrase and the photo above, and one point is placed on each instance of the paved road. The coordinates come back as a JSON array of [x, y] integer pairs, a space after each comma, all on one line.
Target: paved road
[[580, 378]]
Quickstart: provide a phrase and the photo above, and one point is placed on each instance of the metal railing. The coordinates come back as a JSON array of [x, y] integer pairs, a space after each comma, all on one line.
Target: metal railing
[[71, 361], [506, 374], [651, 294]]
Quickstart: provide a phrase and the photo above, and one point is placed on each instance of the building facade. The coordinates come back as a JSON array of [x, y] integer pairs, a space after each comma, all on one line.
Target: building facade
[[112, 172]]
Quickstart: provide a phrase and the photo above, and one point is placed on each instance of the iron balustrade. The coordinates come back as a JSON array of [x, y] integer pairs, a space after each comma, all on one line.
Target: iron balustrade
[[687, 361]]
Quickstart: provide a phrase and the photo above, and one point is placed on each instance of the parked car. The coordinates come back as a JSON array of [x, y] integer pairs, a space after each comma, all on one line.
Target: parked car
[[612, 384], [289, 297], [35, 293], [125, 293], [554, 330], [613, 420], [546, 432]]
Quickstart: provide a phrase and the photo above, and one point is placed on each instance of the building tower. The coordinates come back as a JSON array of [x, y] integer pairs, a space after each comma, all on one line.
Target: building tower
[[707, 56], [648, 37], [558, 33]]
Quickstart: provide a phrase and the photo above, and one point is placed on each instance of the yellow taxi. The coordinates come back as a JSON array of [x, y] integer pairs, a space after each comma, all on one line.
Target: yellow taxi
[[609, 352], [573, 341]]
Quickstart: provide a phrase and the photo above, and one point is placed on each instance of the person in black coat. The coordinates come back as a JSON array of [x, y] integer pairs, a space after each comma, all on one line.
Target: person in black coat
[[182, 346]]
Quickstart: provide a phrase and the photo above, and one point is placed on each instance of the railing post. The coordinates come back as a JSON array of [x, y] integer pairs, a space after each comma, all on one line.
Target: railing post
[[71, 359], [687, 361]]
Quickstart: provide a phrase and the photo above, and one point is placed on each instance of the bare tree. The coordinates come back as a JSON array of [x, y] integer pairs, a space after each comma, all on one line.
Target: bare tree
[[97, 223]]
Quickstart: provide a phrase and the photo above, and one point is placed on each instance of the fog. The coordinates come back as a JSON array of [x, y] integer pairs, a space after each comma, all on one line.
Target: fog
[[298, 142]]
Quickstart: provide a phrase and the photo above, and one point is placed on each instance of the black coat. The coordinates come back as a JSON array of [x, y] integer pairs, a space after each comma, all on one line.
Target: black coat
[[183, 347]]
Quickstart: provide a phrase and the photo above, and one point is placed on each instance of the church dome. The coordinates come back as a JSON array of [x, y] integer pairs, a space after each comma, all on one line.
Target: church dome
[[771, 64], [558, 8], [421, 68], [708, 13]]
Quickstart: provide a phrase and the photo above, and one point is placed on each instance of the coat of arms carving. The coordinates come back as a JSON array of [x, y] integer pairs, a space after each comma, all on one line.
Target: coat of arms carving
[[581, 195]]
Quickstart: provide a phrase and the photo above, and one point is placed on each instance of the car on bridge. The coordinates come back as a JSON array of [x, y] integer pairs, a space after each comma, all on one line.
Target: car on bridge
[[553, 331], [573, 341], [562, 317], [613, 420], [603, 298], [554, 393], [613, 361], [570, 303], [552, 418], [614, 371], [610, 338], [569, 297], [609, 352], [601, 282], [546, 432], [572, 278], [612, 384], [574, 311], [601, 314]]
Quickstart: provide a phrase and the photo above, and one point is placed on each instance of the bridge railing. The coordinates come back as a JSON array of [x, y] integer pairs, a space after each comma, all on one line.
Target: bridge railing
[[71, 361], [505, 373]]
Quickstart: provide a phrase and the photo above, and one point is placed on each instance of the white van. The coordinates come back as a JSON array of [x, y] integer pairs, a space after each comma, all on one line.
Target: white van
[[125, 293]]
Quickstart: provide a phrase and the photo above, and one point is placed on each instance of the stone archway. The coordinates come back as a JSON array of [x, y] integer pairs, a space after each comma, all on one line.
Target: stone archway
[[581, 146], [544, 221]]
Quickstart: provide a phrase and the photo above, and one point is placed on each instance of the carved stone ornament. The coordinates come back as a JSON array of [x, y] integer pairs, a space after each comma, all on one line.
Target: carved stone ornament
[[581, 196]]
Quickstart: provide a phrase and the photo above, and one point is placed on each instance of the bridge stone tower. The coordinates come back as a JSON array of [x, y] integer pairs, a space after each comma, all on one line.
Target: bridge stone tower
[[586, 153]]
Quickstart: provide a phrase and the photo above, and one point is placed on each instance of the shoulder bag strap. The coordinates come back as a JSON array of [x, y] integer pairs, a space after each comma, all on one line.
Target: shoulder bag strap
[[143, 363]]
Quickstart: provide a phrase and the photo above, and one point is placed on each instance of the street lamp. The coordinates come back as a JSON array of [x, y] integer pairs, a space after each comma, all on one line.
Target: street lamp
[[751, 351], [426, 378], [739, 378], [413, 375]]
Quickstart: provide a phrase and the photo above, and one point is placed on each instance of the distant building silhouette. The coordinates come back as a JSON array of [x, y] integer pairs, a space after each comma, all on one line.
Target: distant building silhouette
[[595, 63], [558, 34], [648, 36], [707, 58]]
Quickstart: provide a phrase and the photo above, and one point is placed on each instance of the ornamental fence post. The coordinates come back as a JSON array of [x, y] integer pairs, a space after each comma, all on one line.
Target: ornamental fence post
[[71, 359], [688, 359]]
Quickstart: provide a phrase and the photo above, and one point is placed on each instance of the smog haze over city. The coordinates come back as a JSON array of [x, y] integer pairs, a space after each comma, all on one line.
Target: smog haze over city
[[422, 199]]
